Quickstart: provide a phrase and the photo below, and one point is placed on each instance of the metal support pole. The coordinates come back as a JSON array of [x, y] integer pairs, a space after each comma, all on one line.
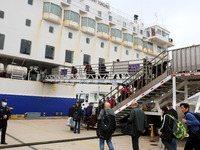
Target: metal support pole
[[174, 92], [186, 89], [197, 109]]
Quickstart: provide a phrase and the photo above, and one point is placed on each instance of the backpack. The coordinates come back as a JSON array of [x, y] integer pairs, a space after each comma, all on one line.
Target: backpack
[[76, 115], [178, 130], [75, 70], [106, 126]]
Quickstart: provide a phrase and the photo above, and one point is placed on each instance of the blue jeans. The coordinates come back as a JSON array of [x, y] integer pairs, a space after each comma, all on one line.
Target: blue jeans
[[174, 142], [75, 127], [109, 143]]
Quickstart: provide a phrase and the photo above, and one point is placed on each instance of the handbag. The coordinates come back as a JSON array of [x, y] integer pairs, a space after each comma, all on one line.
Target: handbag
[[70, 122], [128, 129]]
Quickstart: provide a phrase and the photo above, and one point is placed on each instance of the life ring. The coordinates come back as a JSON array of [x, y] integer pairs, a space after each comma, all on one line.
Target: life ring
[[153, 32]]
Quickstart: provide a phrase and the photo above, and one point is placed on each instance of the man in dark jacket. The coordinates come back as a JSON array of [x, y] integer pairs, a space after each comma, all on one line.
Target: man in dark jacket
[[71, 112], [88, 113], [193, 125], [174, 113], [138, 120], [165, 131], [77, 117], [101, 135], [4, 116]]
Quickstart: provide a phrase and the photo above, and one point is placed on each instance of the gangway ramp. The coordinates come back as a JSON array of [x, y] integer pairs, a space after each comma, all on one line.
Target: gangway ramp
[[177, 81]]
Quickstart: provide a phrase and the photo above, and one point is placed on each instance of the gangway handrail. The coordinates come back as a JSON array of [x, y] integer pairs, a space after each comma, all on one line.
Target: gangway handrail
[[140, 75]]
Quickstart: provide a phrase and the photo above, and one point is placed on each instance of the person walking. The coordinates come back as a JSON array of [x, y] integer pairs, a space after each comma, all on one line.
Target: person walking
[[174, 113], [112, 101], [77, 117], [193, 126], [138, 121], [165, 132], [4, 116], [106, 134], [71, 112], [88, 113]]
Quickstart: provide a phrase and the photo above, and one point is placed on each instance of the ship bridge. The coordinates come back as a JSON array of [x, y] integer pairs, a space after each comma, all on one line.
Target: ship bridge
[[173, 75]]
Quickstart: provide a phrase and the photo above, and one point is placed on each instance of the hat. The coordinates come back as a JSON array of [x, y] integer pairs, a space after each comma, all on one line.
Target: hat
[[91, 103], [4, 100], [169, 104]]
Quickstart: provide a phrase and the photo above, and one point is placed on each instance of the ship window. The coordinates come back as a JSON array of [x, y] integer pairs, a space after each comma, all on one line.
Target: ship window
[[25, 47], [115, 48], [127, 52], [51, 29], [110, 18], [141, 32], [86, 59], [102, 28], [134, 28], [30, 2], [102, 60], [53, 8], [49, 53], [70, 35], [88, 22], [69, 56], [1, 14], [28, 22], [116, 32], [2, 38], [70, 15], [159, 31], [148, 34], [124, 24], [137, 55], [69, 1], [145, 44], [150, 45], [159, 49], [99, 13], [127, 37], [87, 8], [102, 44], [88, 40]]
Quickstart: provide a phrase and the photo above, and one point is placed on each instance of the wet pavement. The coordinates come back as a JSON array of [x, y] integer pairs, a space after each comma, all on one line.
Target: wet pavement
[[41, 130]]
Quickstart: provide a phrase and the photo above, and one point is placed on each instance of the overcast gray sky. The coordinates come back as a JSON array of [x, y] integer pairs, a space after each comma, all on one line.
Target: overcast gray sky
[[180, 17]]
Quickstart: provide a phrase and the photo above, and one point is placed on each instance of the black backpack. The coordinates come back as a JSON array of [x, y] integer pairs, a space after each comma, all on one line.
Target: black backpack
[[106, 126], [76, 115]]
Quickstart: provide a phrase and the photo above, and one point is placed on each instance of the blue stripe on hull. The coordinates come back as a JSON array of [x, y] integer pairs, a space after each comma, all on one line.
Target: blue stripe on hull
[[49, 105]]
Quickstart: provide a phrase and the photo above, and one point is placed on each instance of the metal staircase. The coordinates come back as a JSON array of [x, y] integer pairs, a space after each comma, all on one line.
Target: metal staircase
[[174, 83]]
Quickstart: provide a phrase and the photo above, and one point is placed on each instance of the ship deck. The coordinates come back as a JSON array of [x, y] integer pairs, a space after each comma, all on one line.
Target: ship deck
[[36, 132]]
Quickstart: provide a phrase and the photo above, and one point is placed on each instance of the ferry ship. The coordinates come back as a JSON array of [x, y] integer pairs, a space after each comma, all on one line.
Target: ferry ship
[[48, 37]]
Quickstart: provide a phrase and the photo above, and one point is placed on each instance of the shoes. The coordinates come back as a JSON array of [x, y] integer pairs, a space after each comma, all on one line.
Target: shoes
[[4, 143]]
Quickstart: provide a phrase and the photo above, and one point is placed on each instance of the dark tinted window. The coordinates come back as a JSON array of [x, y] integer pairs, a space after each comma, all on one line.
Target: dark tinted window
[[51, 29], [1, 14], [102, 45], [30, 2], [25, 47], [2, 38], [28, 22], [86, 59], [69, 56], [87, 40], [49, 53], [70, 35]]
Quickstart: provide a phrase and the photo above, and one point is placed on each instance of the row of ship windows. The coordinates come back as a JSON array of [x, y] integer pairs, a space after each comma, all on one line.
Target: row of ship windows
[[73, 16], [25, 48]]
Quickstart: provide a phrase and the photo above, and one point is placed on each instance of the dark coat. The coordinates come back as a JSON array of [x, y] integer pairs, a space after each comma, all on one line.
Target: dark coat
[[167, 125], [89, 110], [71, 111], [4, 111]]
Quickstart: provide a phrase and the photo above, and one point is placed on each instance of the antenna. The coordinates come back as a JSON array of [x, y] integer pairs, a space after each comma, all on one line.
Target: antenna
[[156, 17]]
